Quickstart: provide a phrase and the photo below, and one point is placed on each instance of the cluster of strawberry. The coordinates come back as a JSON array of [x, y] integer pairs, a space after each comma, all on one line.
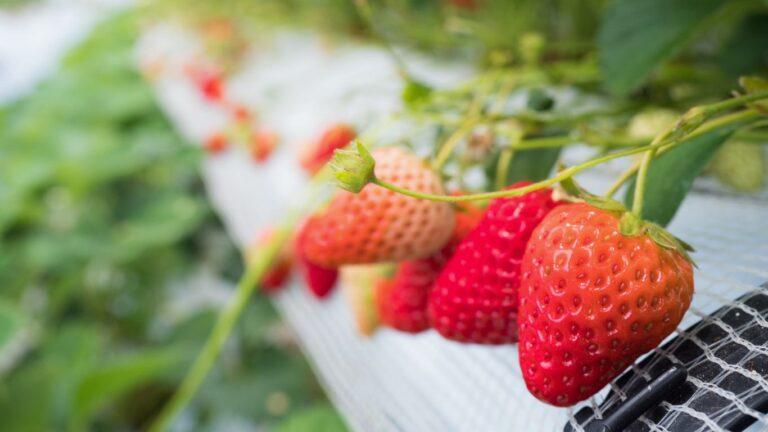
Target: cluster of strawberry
[[242, 129], [557, 276]]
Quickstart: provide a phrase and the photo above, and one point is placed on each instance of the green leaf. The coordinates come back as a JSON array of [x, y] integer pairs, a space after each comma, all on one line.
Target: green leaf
[[532, 165], [415, 93], [319, 418], [636, 36], [115, 378], [12, 323], [747, 50], [671, 175]]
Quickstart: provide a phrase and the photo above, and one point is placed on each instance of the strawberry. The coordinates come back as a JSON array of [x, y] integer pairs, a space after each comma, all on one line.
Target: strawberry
[[320, 151], [320, 280], [592, 300], [359, 283], [216, 143], [278, 273], [241, 113], [740, 165], [209, 82], [378, 225], [262, 144], [402, 301], [475, 298]]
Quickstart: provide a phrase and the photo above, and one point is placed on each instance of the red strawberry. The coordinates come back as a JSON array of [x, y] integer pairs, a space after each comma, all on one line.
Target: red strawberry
[[209, 83], [215, 143], [320, 280], [320, 151], [378, 225], [475, 298], [278, 273], [593, 300], [263, 143], [402, 301]]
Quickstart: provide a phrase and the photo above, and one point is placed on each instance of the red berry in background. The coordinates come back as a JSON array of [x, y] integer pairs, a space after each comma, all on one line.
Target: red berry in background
[[592, 301], [320, 151], [242, 114], [263, 143], [475, 299], [209, 83], [378, 225], [216, 143], [402, 301], [279, 271], [320, 280]]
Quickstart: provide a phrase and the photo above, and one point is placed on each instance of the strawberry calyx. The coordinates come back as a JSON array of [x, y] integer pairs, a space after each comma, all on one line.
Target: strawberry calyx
[[353, 169], [630, 224]]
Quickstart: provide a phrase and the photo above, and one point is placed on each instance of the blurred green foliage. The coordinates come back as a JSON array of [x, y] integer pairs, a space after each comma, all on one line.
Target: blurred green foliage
[[103, 224]]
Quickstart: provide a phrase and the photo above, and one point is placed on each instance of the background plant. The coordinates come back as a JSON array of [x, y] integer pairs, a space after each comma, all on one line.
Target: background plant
[[103, 227]]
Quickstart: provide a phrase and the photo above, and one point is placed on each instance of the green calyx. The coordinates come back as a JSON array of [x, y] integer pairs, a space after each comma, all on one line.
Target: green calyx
[[353, 169], [630, 224], [635, 226]]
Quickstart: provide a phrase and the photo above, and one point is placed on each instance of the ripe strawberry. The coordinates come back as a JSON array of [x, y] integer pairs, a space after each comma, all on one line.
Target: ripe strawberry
[[320, 280], [359, 283], [378, 225], [216, 143], [263, 143], [320, 151], [593, 300], [278, 273], [475, 298], [209, 83], [402, 301]]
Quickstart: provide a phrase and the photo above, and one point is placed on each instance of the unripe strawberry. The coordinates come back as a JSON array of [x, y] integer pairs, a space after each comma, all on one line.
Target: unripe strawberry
[[592, 300], [378, 225], [651, 122], [740, 165]]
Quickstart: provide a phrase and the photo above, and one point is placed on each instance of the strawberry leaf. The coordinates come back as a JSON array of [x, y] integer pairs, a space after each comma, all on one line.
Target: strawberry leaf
[[671, 175], [636, 36], [528, 165]]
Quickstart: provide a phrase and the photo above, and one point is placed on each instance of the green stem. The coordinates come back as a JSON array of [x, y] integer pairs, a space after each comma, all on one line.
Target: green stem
[[450, 144], [257, 267], [502, 168], [745, 115], [562, 175], [642, 175]]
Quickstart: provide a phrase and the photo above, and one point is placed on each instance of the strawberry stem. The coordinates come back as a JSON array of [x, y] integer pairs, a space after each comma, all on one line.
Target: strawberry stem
[[747, 115], [502, 168], [255, 270], [562, 175]]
